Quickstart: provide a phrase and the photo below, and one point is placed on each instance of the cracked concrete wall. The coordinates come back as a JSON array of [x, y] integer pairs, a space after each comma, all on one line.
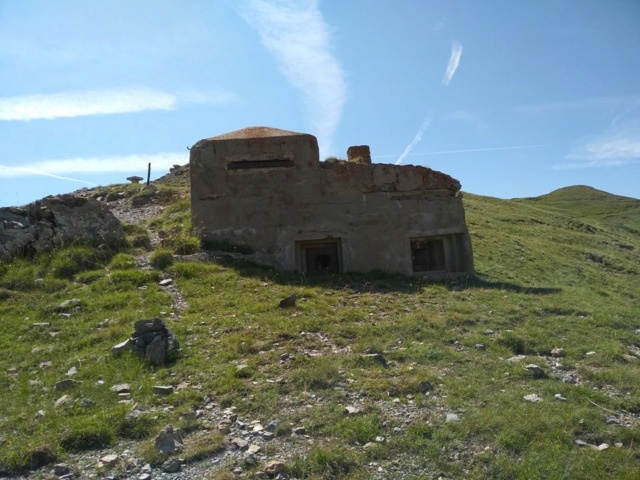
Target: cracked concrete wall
[[267, 189]]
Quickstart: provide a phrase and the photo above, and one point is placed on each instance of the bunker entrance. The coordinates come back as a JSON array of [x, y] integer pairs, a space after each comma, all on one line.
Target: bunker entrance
[[321, 257], [428, 255]]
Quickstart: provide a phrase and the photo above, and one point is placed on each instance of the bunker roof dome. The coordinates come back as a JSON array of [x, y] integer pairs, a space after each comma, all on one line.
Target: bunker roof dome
[[256, 132]]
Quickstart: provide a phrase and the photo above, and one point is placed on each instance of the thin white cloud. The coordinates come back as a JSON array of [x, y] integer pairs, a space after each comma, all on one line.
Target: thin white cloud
[[618, 147], [6, 171], [295, 33], [101, 102], [454, 61], [416, 139], [127, 164]]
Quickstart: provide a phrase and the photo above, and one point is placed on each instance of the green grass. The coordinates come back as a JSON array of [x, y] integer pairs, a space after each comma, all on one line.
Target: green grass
[[561, 271]]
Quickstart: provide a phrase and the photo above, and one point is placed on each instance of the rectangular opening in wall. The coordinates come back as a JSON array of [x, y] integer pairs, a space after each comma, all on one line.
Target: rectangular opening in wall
[[320, 257], [250, 164], [428, 255]]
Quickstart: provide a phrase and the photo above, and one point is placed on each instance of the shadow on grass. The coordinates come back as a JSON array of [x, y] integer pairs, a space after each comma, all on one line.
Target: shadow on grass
[[478, 282], [375, 281]]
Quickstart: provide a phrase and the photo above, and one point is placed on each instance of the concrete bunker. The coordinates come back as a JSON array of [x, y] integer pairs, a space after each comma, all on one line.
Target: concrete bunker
[[266, 189]]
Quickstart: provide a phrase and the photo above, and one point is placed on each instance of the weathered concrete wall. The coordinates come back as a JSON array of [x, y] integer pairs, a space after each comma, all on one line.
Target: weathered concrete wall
[[371, 211], [54, 221]]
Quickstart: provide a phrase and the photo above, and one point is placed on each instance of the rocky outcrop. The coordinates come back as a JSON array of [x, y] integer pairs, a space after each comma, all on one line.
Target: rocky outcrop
[[55, 221]]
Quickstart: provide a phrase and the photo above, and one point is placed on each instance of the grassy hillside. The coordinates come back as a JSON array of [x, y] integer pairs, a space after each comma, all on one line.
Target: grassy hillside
[[593, 205], [436, 372]]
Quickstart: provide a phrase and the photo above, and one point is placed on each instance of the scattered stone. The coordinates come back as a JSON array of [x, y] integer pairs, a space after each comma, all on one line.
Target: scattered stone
[[240, 443], [589, 354], [581, 443], [167, 440], [61, 469], [166, 282], [536, 370], [39, 414], [613, 421], [273, 425], [452, 417], [558, 352], [124, 396], [630, 358], [63, 385], [172, 466], [70, 304], [289, 301], [109, 460], [533, 398], [481, 346], [516, 359], [268, 435], [258, 428], [559, 397], [121, 388], [602, 446], [424, 386], [72, 371], [352, 410], [121, 347], [253, 449], [376, 358], [298, 430], [275, 467], [380, 439], [87, 402], [144, 476], [569, 379], [163, 389]]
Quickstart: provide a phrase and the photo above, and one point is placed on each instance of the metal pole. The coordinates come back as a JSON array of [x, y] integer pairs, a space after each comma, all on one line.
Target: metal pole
[[148, 174]]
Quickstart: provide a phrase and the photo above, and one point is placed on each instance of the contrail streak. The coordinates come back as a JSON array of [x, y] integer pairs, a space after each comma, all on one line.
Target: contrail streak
[[445, 152], [454, 61], [45, 174], [416, 139]]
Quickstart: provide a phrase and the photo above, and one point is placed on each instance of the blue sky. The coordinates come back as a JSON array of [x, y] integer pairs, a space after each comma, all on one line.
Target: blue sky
[[514, 99]]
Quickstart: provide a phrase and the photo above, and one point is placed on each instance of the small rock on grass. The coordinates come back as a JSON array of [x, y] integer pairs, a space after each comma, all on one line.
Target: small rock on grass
[[65, 384], [163, 389], [167, 440], [536, 370], [172, 466], [452, 417], [61, 469], [289, 301], [121, 347], [274, 468], [121, 388], [533, 398]]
